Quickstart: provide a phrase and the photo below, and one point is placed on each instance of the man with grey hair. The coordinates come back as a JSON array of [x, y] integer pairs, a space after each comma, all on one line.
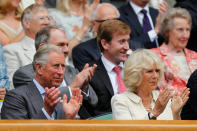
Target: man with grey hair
[[40, 98], [56, 35], [88, 52], [21, 53]]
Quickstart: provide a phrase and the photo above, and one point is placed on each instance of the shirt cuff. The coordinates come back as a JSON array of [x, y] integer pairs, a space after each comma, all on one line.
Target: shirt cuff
[[86, 94], [152, 35], [46, 114], [70, 91]]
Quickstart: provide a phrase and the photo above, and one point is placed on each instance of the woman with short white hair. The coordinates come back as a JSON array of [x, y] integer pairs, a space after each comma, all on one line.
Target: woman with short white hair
[[142, 72]]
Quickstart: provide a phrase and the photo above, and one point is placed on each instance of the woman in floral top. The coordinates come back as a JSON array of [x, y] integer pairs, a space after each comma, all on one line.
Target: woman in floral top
[[180, 62]]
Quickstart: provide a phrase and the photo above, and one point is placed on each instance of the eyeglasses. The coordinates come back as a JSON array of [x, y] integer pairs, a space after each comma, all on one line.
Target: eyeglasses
[[47, 18], [100, 21]]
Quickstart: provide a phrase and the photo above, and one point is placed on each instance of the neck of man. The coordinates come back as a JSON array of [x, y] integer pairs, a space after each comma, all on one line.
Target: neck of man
[[39, 80], [111, 59]]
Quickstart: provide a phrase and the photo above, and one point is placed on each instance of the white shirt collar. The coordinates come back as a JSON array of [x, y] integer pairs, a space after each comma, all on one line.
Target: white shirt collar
[[42, 90], [109, 65]]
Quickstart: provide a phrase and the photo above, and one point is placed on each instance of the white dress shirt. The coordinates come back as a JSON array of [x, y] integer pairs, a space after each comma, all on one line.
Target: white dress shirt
[[152, 34], [111, 73]]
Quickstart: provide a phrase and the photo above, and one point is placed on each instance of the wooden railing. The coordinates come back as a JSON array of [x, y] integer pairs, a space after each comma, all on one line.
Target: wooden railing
[[96, 125]]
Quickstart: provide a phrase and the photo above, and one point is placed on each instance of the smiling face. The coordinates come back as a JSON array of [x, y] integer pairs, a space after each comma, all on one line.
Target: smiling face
[[38, 20], [179, 34], [116, 50], [150, 78]]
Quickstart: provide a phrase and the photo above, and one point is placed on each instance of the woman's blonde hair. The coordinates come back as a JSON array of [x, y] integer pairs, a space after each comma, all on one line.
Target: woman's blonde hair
[[64, 5], [5, 6], [138, 61]]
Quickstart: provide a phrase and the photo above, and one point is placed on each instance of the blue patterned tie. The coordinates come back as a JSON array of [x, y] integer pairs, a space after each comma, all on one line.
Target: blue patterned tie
[[146, 23]]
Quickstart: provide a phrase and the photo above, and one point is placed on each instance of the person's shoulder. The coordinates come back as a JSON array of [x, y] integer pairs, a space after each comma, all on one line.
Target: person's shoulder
[[123, 7], [85, 45], [12, 46], [26, 68], [191, 51], [122, 97], [153, 11], [117, 97], [88, 42], [194, 75], [19, 90], [29, 66]]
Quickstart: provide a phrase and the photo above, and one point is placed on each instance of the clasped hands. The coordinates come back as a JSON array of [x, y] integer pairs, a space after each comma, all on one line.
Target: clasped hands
[[178, 101]]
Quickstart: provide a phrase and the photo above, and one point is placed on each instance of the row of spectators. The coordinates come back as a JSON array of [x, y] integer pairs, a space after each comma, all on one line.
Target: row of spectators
[[95, 39]]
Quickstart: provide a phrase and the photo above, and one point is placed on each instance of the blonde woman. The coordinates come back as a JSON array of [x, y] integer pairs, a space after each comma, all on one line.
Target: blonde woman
[[10, 26], [142, 72]]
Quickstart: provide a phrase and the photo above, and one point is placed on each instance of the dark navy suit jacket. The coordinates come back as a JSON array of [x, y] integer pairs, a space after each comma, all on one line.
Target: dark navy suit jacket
[[103, 88], [189, 111], [128, 15]]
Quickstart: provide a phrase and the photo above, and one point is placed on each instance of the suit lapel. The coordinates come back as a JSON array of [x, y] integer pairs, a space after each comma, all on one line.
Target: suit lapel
[[104, 77], [35, 97], [38, 103], [95, 46], [69, 75], [153, 15], [26, 45], [132, 18]]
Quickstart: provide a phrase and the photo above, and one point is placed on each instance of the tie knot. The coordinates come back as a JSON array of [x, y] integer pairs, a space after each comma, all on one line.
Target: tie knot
[[143, 11], [117, 69]]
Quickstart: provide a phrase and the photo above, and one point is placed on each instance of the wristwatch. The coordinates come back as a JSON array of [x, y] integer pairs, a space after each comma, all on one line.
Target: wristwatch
[[151, 116]]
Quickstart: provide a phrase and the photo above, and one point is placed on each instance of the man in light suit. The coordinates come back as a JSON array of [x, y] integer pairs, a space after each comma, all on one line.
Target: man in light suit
[[113, 40], [40, 98], [131, 14], [56, 35], [21, 53]]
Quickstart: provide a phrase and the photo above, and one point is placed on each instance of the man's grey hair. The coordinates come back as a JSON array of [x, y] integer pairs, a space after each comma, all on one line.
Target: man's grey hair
[[42, 54], [94, 14], [29, 11], [43, 35]]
